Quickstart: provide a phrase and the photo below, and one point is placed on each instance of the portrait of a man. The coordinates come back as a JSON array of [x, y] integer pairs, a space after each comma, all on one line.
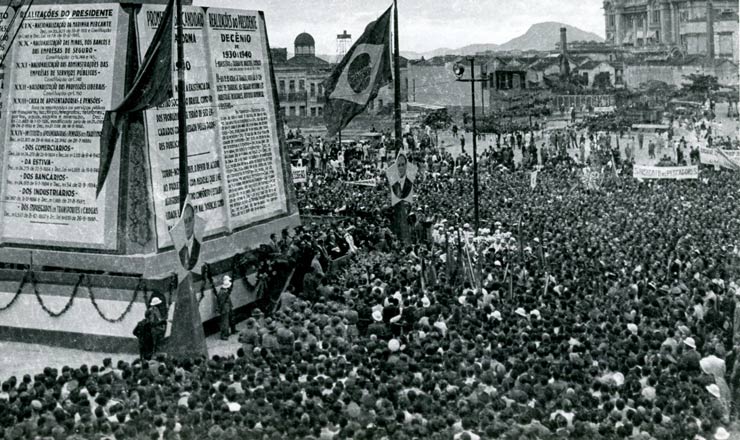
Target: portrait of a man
[[191, 251], [401, 176], [187, 237]]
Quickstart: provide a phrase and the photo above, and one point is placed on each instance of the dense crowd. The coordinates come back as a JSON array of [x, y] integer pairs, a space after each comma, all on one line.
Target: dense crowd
[[581, 313]]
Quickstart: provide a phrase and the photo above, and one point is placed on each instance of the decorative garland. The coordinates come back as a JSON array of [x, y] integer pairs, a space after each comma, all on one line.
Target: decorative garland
[[29, 274], [67, 306], [128, 307], [17, 292], [239, 266]]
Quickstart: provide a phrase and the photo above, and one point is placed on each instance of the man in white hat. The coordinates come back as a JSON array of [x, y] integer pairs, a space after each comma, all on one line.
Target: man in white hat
[[721, 434], [378, 327], [225, 308], [690, 358], [157, 323], [719, 404]]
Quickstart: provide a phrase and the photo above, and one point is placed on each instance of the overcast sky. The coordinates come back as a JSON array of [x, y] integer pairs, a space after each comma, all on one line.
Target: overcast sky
[[424, 24]]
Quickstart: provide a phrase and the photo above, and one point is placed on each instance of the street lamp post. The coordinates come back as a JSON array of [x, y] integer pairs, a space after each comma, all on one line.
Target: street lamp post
[[459, 70]]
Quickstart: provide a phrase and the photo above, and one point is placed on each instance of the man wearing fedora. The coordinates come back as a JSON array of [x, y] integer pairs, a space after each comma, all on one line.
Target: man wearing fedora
[[158, 323], [225, 308]]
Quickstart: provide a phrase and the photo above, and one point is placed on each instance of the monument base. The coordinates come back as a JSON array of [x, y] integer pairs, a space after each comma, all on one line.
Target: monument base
[[94, 301]]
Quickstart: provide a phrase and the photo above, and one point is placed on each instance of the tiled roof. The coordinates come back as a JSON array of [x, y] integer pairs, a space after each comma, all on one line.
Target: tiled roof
[[306, 60], [591, 64]]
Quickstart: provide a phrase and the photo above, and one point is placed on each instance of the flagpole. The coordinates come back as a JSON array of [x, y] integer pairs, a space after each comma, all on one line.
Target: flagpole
[[188, 337], [181, 114], [396, 79], [400, 210]]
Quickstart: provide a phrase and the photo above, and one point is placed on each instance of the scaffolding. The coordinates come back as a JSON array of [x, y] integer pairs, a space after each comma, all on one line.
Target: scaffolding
[[344, 42]]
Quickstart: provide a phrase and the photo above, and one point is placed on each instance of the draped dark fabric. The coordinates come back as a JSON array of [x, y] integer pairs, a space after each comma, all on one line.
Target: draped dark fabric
[[152, 87]]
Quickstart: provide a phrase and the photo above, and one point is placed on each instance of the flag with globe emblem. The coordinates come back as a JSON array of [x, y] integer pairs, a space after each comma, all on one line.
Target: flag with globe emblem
[[358, 77]]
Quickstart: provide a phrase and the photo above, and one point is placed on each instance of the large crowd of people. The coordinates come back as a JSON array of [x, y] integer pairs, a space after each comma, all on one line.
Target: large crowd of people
[[575, 312]]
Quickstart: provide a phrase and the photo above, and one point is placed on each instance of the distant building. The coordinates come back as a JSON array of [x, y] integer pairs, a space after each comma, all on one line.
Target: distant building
[[300, 79], [386, 96], [433, 82], [695, 27], [594, 50], [673, 70], [590, 69]]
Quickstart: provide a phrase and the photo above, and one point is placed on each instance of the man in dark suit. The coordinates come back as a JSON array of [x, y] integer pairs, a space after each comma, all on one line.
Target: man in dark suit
[[402, 188], [225, 308], [189, 253]]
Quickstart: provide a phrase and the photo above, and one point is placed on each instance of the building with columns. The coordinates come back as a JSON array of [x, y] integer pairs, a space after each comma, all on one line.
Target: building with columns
[[694, 27]]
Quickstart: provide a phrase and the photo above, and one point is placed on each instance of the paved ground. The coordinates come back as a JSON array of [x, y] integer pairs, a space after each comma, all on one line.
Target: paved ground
[[726, 127], [17, 359]]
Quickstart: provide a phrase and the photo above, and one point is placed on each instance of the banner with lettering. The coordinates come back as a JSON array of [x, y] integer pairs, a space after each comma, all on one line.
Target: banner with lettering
[[363, 182], [299, 174], [9, 23], [240, 71], [675, 173], [234, 164], [729, 159], [65, 62], [204, 162]]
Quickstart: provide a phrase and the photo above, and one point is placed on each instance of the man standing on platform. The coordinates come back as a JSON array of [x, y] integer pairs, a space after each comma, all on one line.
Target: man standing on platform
[[157, 323], [225, 308], [143, 333]]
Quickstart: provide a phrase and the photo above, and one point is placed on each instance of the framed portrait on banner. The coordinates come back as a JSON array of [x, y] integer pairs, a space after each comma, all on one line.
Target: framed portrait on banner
[[187, 237], [401, 177]]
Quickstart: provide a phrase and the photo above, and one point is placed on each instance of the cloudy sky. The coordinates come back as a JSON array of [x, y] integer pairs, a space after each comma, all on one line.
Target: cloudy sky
[[424, 24]]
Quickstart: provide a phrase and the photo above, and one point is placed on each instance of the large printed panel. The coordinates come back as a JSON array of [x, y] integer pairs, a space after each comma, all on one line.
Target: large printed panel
[[255, 189], [61, 81], [204, 163], [234, 164]]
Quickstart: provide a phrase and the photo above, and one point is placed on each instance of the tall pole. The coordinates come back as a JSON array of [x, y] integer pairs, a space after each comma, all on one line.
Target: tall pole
[[187, 338], [483, 89], [400, 210], [475, 147], [182, 124], [396, 79]]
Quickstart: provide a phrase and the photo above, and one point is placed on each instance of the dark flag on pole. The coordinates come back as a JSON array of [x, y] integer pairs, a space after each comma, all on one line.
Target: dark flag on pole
[[358, 77], [152, 87]]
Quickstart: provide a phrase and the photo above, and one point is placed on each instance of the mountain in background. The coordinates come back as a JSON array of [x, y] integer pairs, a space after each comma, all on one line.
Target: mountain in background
[[544, 36], [470, 49], [540, 36]]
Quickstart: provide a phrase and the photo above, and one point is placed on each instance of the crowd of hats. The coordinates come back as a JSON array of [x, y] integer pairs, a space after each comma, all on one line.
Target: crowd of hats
[[610, 316]]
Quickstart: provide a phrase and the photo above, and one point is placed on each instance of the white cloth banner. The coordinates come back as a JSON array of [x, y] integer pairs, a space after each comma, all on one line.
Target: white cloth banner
[[363, 182], [729, 159], [675, 173]]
